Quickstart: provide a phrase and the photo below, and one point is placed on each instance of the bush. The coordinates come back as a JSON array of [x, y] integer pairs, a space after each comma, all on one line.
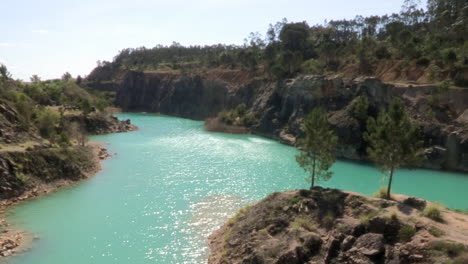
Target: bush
[[360, 108], [328, 220], [312, 66], [450, 249], [436, 231], [433, 212], [406, 233], [423, 61], [303, 222], [382, 53], [47, 121], [450, 56], [239, 116], [381, 193]]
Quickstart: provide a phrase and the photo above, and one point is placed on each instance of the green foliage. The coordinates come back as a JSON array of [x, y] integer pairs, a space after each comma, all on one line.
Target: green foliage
[[365, 218], [436, 36], [406, 233], [436, 231], [381, 193], [328, 220], [4, 73], [423, 61], [450, 249], [239, 116], [318, 146], [433, 212], [360, 108], [393, 141], [303, 222], [240, 214], [313, 66], [47, 122]]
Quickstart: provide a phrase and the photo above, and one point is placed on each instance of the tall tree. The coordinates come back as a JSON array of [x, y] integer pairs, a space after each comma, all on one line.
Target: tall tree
[[318, 146], [393, 141]]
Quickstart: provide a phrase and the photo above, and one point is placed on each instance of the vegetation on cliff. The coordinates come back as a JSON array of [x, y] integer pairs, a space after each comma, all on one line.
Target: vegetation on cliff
[[332, 226], [427, 44], [318, 147], [393, 141], [43, 129]]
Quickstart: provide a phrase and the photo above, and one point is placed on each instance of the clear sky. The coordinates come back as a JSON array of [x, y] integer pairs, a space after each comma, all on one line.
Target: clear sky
[[50, 37]]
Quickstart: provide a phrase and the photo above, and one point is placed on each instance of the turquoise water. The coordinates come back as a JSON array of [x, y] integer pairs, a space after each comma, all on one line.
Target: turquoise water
[[171, 184]]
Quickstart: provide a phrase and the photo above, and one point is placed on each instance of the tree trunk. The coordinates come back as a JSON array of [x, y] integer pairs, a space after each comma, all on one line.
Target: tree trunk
[[390, 183], [313, 175]]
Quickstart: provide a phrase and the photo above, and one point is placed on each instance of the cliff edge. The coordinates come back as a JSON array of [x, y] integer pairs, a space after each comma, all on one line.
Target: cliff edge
[[332, 226]]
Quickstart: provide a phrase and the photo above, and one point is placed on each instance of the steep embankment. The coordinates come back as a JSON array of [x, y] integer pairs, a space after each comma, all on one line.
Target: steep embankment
[[31, 166], [331, 226], [280, 107]]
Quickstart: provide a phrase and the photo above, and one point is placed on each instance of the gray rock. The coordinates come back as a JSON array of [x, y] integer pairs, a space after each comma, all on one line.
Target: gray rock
[[370, 244], [414, 202]]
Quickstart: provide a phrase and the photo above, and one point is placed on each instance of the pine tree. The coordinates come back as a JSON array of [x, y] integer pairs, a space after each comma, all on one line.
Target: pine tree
[[318, 147], [393, 141]]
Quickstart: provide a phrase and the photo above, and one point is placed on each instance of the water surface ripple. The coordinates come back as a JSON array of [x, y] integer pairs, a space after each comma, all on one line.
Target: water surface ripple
[[171, 184]]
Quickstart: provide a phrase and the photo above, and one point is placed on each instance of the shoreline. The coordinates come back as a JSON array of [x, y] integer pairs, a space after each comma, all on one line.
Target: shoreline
[[12, 240]]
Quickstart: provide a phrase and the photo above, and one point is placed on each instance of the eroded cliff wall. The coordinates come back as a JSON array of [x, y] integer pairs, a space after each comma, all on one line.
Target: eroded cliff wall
[[280, 107]]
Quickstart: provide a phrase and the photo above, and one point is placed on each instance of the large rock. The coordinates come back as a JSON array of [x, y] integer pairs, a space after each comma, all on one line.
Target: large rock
[[370, 244]]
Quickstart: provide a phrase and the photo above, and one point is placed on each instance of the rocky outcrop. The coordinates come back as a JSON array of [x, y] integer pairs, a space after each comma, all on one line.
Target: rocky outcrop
[[98, 123], [331, 226], [280, 107], [24, 170], [11, 128]]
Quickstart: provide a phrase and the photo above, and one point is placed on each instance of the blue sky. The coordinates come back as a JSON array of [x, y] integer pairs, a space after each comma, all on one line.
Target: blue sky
[[50, 37]]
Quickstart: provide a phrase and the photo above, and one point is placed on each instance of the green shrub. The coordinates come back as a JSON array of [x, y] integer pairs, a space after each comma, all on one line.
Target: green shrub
[[46, 122], [238, 116], [365, 218], [406, 233], [360, 108], [436, 231], [312, 66], [238, 216], [303, 222], [423, 61], [328, 220], [433, 212], [382, 52], [450, 249], [381, 193]]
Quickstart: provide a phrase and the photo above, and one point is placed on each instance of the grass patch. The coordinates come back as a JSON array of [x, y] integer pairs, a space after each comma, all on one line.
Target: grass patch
[[239, 215], [227, 235], [365, 218], [381, 193], [460, 211], [436, 231], [450, 249], [406, 233], [433, 212], [294, 200], [328, 220], [303, 222]]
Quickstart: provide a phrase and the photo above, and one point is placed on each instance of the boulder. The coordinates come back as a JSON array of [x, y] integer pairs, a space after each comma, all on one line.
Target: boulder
[[370, 244], [414, 202]]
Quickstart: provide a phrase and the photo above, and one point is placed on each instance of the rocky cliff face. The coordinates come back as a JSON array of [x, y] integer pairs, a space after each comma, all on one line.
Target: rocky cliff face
[[331, 226], [280, 107], [23, 170]]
